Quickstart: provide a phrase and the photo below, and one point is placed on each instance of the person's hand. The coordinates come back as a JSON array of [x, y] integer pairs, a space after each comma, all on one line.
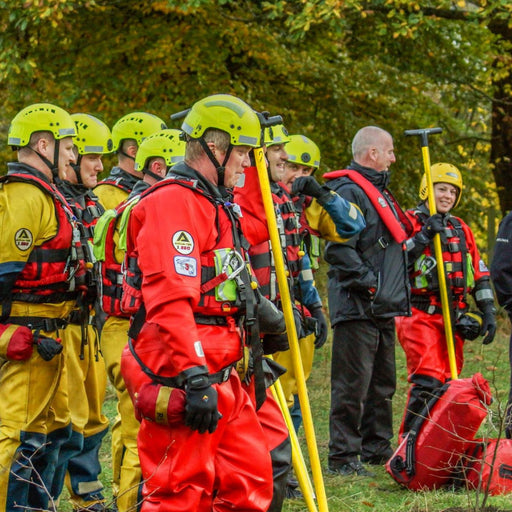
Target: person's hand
[[47, 347], [308, 186], [433, 225], [161, 404], [488, 325], [201, 412], [20, 342], [321, 326]]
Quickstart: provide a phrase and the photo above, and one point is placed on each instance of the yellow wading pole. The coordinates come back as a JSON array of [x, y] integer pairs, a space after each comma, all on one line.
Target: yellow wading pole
[[299, 465], [423, 133], [290, 328]]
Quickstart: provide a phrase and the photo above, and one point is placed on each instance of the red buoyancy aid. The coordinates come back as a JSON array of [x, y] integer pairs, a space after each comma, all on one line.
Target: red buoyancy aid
[[55, 270], [460, 257], [125, 182], [260, 251], [213, 302], [111, 268], [380, 202]]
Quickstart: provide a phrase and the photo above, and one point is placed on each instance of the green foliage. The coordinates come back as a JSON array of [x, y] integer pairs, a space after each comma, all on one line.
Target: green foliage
[[328, 66]]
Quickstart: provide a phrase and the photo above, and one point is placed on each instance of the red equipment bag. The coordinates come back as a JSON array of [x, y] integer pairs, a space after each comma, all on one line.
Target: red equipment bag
[[489, 466], [441, 435]]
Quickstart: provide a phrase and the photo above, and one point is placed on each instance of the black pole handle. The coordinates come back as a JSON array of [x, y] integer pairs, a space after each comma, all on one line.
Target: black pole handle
[[423, 133]]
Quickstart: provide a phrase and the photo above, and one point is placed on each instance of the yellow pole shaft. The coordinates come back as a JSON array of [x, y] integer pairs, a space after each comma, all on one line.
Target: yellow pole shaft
[[299, 465], [284, 291], [445, 304]]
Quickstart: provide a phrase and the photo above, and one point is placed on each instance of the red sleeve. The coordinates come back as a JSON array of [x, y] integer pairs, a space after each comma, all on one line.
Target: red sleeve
[[248, 197]]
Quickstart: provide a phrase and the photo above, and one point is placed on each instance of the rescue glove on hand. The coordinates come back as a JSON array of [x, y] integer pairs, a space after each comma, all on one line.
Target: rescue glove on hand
[[308, 186], [19, 342], [433, 225], [47, 348], [161, 404], [488, 324], [201, 412], [321, 326], [279, 342]]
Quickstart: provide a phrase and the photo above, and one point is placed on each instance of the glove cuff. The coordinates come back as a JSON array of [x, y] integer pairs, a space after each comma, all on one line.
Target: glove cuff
[[326, 196]]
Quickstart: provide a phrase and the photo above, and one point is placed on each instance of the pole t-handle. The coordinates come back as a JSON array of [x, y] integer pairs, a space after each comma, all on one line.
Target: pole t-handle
[[423, 133]]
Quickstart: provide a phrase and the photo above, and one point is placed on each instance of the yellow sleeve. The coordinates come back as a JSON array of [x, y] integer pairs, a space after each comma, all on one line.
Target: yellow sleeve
[[110, 196], [319, 220], [27, 219]]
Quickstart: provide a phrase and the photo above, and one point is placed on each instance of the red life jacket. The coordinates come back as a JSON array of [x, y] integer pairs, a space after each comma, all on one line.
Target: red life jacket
[[460, 271], [111, 269], [55, 270], [262, 260], [380, 202], [125, 183], [210, 304]]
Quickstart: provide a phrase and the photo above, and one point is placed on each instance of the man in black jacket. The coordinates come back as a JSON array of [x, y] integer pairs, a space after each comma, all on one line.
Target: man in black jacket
[[501, 274], [368, 286]]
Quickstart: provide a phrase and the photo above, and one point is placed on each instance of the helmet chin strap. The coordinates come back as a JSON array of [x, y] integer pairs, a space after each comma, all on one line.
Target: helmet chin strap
[[152, 174], [76, 168], [220, 168], [53, 166]]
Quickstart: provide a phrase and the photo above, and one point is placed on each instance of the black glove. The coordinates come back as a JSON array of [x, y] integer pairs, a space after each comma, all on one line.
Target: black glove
[[275, 343], [201, 411], [47, 348], [433, 225], [321, 326], [308, 186], [488, 325]]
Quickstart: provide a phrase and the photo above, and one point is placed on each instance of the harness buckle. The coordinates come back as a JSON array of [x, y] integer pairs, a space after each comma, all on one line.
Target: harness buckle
[[383, 243]]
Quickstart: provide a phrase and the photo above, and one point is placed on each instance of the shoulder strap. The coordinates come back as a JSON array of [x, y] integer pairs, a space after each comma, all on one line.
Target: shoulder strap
[[386, 205]]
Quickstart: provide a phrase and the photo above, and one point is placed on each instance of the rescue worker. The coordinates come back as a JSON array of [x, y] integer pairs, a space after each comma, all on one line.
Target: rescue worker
[[303, 161], [156, 154], [42, 275], [502, 279], [248, 195], [196, 292], [87, 379], [422, 335], [127, 135]]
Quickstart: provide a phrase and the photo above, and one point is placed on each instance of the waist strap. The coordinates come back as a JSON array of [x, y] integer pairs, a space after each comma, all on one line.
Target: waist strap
[[39, 322], [178, 382]]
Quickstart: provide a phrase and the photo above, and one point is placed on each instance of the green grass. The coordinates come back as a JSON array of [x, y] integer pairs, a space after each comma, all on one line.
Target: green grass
[[382, 493]]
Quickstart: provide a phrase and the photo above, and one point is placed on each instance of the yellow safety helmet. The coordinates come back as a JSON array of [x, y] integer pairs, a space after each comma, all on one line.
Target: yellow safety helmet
[[93, 136], [276, 134], [303, 151], [137, 126], [442, 173], [227, 113], [166, 144], [40, 117]]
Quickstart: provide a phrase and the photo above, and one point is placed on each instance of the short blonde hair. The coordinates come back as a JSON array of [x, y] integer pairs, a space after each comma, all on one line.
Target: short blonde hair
[[220, 138]]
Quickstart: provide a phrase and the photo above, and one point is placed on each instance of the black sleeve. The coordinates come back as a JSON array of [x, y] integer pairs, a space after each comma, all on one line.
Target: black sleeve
[[501, 265]]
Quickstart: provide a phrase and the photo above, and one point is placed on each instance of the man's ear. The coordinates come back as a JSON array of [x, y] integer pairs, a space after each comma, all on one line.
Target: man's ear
[[45, 147], [131, 150]]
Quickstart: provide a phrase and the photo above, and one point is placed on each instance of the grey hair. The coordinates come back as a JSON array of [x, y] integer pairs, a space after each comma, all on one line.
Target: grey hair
[[365, 138]]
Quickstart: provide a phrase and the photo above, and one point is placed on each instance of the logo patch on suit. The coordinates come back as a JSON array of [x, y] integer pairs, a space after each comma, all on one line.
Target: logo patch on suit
[[183, 242], [185, 266], [23, 239]]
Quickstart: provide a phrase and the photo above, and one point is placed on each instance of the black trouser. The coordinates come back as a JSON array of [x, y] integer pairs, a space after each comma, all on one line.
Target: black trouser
[[508, 413], [363, 382]]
